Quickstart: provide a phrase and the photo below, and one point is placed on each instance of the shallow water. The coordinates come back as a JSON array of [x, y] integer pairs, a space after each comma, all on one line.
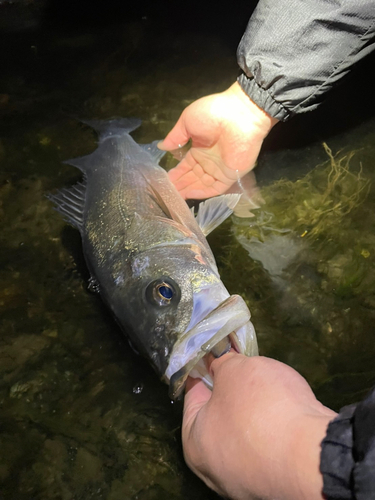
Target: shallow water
[[81, 415]]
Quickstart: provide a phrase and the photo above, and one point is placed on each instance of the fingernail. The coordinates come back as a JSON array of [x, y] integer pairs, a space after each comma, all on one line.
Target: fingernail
[[221, 347]]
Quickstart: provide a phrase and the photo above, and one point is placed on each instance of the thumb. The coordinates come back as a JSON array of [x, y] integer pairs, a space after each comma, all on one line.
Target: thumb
[[196, 397], [176, 138]]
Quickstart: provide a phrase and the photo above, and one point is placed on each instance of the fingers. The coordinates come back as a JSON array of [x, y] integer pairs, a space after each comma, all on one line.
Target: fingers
[[182, 176], [199, 191], [190, 186], [176, 138], [198, 176], [225, 368], [211, 364], [196, 396], [198, 194]]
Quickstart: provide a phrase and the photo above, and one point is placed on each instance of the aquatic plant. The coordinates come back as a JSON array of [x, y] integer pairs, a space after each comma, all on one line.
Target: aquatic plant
[[312, 293], [314, 204]]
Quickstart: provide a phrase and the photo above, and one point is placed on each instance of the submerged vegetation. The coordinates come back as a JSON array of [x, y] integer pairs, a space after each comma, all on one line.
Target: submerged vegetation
[[316, 204], [312, 246]]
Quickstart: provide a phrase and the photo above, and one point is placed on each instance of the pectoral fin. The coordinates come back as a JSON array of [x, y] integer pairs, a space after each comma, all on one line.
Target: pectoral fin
[[167, 209], [214, 211]]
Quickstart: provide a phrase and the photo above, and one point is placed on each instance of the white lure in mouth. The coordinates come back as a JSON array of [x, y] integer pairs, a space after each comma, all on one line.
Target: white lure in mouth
[[231, 318]]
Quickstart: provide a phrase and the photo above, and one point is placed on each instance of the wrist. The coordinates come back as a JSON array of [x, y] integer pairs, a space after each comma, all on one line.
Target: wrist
[[305, 480], [264, 120]]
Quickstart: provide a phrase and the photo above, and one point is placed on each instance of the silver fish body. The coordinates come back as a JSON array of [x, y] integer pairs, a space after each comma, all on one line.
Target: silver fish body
[[147, 253]]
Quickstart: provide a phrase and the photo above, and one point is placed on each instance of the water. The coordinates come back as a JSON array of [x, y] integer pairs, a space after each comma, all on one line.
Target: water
[[81, 416]]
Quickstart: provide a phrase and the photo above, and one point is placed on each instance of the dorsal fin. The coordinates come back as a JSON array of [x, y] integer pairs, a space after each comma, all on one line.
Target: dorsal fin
[[70, 202], [214, 211]]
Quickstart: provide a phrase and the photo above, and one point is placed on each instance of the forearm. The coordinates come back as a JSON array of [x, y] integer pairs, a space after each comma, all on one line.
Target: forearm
[[294, 51]]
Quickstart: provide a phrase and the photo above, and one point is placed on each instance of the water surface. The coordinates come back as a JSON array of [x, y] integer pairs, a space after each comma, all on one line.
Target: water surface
[[81, 415]]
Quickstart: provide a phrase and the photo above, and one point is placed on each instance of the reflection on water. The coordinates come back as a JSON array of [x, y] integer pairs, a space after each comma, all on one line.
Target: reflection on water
[[81, 415]]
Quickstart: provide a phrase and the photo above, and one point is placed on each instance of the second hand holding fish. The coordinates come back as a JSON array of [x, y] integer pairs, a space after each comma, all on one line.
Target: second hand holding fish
[[227, 131], [260, 422]]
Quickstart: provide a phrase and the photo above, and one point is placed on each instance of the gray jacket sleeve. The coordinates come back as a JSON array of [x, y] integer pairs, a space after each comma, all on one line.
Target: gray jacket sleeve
[[294, 51]]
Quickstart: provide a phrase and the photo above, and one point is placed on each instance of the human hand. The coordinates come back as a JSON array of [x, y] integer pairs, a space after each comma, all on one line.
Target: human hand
[[227, 131], [258, 434]]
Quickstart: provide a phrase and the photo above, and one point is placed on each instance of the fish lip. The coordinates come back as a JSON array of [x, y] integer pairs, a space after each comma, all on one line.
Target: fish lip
[[222, 325]]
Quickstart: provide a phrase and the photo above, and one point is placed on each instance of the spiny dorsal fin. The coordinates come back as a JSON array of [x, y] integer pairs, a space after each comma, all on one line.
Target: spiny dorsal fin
[[214, 211], [70, 202]]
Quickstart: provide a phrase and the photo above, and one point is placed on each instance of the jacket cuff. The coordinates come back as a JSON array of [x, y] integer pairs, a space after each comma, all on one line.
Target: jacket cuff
[[348, 453], [263, 99], [336, 460]]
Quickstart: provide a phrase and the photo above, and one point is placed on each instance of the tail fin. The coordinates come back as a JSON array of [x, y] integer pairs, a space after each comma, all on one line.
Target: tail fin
[[105, 129]]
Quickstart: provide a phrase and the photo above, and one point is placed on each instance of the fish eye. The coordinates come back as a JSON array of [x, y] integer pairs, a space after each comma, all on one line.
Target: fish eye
[[162, 292], [165, 291]]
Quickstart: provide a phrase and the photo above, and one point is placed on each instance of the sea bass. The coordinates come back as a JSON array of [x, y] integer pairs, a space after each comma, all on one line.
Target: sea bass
[[149, 259]]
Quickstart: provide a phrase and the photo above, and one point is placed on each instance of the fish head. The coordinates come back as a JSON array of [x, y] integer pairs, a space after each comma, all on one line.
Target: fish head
[[175, 309], [152, 299]]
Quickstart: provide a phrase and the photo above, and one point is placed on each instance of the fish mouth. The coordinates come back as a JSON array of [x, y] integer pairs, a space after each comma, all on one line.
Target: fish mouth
[[227, 326]]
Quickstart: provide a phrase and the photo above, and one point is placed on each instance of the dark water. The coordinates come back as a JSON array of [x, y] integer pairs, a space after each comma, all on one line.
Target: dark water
[[81, 416]]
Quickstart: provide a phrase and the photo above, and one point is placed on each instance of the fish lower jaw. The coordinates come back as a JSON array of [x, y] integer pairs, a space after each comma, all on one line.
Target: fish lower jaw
[[241, 340]]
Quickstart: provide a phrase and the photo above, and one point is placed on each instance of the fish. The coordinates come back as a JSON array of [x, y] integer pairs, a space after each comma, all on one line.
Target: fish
[[149, 258]]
